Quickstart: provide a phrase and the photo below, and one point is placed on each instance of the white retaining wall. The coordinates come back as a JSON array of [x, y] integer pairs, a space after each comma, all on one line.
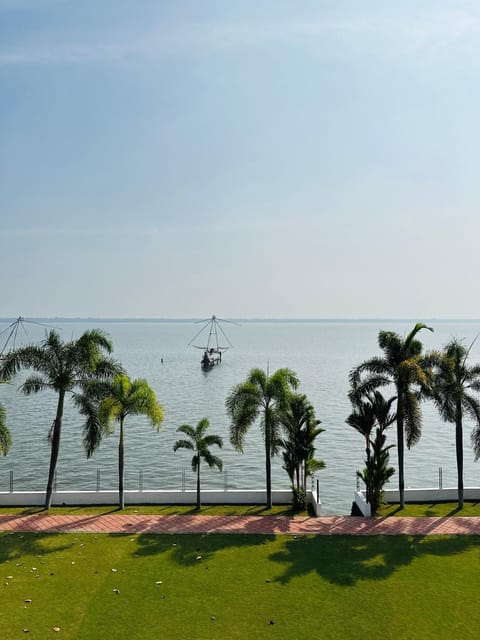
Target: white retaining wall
[[362, 504], [60, 498], [74, 498], [315, 501]]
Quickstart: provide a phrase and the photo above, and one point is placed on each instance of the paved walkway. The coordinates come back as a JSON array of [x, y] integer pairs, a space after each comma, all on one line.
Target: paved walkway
[[335, 525]]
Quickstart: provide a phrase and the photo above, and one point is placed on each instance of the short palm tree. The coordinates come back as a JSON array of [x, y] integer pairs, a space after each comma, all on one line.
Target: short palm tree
[[301, 429], [199, 443], [120, 398], [65, 368], [404, 366], [455, 386], [374, 412], [362, 419], [265, 397], [377, 472]]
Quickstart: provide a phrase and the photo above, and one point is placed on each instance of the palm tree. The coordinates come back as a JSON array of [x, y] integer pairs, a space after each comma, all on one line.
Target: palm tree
[[404, 366], [454, 383], [363, 420], [374, 411], [301, 429], [5, 437], [261, 396], [65, 368], [199, 443], [377, 472], [120, 398]]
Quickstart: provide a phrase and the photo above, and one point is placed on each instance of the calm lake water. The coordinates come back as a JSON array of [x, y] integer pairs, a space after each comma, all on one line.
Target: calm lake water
[[321, 353]]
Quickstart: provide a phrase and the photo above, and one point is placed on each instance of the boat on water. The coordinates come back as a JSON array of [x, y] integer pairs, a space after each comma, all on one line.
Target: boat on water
[[212, 349]]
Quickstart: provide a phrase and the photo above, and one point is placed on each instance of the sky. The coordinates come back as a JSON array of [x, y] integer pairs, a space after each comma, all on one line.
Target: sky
[[249, 158]]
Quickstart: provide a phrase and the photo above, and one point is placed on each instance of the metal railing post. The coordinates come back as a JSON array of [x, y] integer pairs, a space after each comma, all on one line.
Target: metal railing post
[[318, 491], [440, 478], [11, 481]]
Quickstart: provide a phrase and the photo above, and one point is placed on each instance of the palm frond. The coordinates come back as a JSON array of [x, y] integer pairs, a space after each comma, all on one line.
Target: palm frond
[[243, 407], [188, 430], [183, 444], [413, 419], [213, 461], [34, 384], [472, 407], [213, 439]]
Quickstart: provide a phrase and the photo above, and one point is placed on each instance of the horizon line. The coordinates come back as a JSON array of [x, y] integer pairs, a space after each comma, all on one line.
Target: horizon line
[[246, 319]]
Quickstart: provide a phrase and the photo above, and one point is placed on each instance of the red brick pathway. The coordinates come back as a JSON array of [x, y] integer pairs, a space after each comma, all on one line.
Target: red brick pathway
[[335, 525]]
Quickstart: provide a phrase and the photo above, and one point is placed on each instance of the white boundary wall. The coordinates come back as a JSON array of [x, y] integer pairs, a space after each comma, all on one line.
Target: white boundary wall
[[74, 498], [61, 498]]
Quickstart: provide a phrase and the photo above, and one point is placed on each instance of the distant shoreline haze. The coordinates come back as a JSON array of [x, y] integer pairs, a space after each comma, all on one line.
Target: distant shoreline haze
[[233, 319]]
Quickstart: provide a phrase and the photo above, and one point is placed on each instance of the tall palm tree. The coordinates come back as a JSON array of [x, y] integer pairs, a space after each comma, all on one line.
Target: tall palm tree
[[265, 397], [65, 368], [301, 429], [5, 436], [199, 443], [120, 398], [455, 384], [404, 366]]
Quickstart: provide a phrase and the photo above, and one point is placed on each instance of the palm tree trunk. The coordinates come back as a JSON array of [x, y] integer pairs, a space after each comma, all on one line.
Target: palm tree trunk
[[121, 466], [268, 467], [459, 450], [198, 485], [400, 450], [57, 428]]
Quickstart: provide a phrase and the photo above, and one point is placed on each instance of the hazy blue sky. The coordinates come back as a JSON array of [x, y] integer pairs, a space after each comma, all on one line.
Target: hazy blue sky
[[244, 158]]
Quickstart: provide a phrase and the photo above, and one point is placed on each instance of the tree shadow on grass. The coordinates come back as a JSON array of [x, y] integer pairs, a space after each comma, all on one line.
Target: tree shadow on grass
[[345, 560], [187, 550], [15, 545]]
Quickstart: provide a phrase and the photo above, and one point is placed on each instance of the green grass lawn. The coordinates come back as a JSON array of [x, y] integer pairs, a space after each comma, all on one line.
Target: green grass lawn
[[431, 509], [163, 510], [95, 586]]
